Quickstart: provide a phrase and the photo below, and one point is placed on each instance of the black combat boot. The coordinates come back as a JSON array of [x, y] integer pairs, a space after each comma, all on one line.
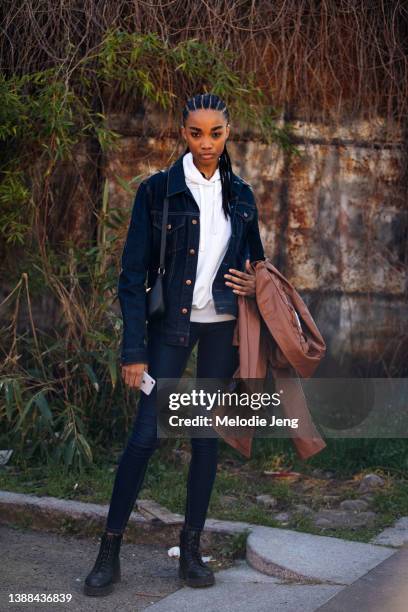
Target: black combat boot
[[192, 568], [106, 570]]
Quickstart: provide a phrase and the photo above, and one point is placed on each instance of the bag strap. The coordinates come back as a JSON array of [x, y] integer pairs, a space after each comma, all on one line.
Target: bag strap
[[161, 270]]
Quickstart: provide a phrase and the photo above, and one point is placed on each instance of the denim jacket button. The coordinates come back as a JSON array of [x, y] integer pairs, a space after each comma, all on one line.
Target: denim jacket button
[[192, 251], [184, 310], [194, 221], [188, 282], [169, 226]]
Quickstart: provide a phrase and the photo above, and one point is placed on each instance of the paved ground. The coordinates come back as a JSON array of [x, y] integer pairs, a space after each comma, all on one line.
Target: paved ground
[[354, 576], [384, 588], [38, 562]]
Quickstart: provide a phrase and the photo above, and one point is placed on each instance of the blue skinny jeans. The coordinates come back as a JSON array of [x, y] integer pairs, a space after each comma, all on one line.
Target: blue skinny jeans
[[216, 358]]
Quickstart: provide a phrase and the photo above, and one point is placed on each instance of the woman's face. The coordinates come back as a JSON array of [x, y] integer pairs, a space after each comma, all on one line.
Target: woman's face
[[206, 132]]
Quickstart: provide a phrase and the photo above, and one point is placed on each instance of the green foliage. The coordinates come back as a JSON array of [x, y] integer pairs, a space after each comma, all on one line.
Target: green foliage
[[42, 119], [235, 546], [341, 455], [137, 62], [16, 206], [60, 390]]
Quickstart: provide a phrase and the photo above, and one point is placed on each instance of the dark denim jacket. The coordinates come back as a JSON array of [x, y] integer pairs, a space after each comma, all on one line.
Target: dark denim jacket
[[140, 258]]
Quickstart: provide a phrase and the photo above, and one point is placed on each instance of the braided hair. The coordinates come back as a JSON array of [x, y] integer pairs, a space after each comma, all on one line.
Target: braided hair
[[213, 102]]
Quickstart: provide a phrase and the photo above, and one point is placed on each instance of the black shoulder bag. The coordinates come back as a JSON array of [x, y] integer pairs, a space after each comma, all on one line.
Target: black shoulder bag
[[155, 295]]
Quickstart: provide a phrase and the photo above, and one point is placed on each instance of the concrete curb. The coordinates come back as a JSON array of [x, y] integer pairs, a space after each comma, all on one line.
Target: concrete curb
[[311, 558], [396, 535], [286, 554], [149, 523], [84, 519]]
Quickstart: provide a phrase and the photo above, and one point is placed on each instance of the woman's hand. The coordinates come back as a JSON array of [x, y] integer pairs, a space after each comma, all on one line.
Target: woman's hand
[[132, 374], [242, 283]]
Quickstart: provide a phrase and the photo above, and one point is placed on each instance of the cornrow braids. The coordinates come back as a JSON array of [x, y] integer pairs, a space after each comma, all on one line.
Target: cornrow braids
[[214, 102]]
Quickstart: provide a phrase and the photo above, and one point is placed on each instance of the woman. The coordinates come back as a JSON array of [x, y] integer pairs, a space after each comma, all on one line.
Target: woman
[[212, 227]]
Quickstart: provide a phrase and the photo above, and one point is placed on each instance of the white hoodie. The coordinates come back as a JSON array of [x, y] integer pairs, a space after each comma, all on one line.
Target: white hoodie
[[215, 231]]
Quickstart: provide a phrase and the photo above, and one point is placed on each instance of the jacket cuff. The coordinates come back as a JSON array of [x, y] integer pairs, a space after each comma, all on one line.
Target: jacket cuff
[[134, 356]]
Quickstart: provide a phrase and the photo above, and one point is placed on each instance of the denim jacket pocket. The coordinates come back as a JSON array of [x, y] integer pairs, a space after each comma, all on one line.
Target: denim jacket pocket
[[175, 231]]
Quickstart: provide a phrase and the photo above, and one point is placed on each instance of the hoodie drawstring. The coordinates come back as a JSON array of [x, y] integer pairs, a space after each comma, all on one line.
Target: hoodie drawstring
[[193, 174], [203, 213]]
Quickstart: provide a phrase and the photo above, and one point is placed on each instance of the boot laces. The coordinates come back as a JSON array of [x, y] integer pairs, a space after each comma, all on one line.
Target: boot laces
[[105, 553], [194, 550]]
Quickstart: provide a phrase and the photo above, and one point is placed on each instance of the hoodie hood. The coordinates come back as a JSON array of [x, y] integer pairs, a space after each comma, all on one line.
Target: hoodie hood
[[207, 193]]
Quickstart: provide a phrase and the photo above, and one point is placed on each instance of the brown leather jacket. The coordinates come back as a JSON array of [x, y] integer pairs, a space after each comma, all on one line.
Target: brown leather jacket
[[277, 337]]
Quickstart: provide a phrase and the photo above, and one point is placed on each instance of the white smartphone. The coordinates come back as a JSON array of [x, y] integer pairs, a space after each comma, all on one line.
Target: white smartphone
[[147, 383]]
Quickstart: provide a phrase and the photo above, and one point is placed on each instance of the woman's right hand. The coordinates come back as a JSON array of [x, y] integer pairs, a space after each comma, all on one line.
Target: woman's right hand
[[132, 374]]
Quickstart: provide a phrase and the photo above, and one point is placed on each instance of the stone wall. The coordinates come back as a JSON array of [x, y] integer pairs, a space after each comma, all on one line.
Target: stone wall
[[333, 219]]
